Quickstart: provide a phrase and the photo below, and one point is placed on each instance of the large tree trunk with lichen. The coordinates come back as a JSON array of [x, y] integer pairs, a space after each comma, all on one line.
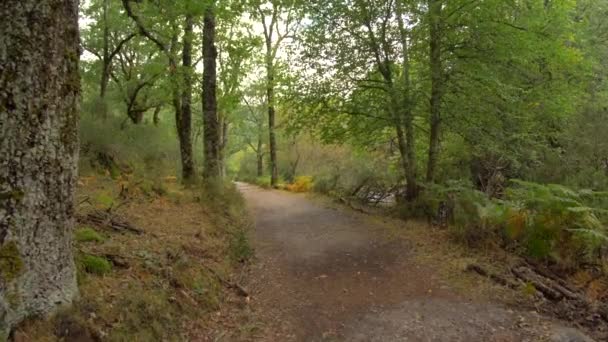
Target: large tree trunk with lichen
[[39, 95], [211, 132]]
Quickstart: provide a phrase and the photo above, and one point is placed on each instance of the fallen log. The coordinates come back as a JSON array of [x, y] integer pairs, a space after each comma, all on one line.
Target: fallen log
[[103, 218], [547, 274], [528, 276], [495, 277]]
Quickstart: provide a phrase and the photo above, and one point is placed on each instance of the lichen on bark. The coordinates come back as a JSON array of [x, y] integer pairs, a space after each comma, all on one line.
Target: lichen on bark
[[11, 264], [39, 97]]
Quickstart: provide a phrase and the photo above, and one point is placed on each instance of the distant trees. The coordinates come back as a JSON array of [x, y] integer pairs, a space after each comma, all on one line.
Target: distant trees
[[449, 83], [170, 28], [39, 102], [105, 40], [280, 19], [168, 45]]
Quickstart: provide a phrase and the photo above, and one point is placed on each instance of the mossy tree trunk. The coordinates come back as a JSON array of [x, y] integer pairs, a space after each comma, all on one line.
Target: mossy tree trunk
[[436, 68], [39, 96], [211, 134], [184, 120]]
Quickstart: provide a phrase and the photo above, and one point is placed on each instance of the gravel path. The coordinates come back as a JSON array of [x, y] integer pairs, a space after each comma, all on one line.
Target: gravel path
[[326, 274]]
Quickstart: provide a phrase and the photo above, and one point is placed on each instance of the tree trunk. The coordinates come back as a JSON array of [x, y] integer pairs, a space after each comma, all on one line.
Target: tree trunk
[[39, 97], [274, 171], [136, 116], [406, 107], [105, 70], [184, 121], [211, 133], [436, 85], [260, 157], [156, 116], [105, 63], [223, 144]]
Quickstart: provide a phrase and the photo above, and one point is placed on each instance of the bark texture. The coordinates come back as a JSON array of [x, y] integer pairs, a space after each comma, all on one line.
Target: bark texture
[[211, 133], [436, 85], [39, 96], [260, 157], [272, 139], [408, 115], [184, 120]]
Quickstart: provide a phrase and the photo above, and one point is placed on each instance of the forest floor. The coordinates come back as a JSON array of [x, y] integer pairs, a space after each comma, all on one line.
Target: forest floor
[[167, 279], [324, 272]]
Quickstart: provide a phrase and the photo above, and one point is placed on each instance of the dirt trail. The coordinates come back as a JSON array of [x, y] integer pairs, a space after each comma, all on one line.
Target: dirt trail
[[326, 274]]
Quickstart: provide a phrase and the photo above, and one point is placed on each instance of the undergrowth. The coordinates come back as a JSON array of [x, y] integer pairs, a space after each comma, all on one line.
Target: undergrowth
[[166, 284], [550, 223]]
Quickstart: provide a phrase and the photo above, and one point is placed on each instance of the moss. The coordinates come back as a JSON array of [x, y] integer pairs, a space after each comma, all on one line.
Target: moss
[[15, 194], [103, 199], [4, 333], [114, 172], [87, 234], [95, 264], [13, 298], [11, 264]]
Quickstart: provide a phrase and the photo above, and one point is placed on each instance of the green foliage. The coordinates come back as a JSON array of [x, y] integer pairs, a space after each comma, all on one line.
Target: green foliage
[[87, 234], [95, 264], [547, 222], [263, 181], [104, 199], [561, 224], [147, 151]]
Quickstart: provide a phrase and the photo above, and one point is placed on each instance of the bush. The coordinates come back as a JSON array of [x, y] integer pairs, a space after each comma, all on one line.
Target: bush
[[556, 223], [301, 184], [146, 150], [325, 184], [547, 222], [263, 181]]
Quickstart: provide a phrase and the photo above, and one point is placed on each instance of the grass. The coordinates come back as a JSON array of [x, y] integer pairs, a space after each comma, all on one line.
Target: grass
[[167, 285], [87, 234], [95, 264]]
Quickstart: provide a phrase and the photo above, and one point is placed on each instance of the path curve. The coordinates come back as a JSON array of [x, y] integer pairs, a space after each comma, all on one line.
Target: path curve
[[327, 274]]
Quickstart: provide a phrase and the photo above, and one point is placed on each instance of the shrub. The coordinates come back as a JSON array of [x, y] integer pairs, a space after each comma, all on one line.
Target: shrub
[[555, 222], [263, 181], [326, 184], [546, 222], [146, 150], [87, 234], [301, 184]]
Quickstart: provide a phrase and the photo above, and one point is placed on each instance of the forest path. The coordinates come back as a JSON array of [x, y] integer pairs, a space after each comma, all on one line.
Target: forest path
[[331, 274]]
